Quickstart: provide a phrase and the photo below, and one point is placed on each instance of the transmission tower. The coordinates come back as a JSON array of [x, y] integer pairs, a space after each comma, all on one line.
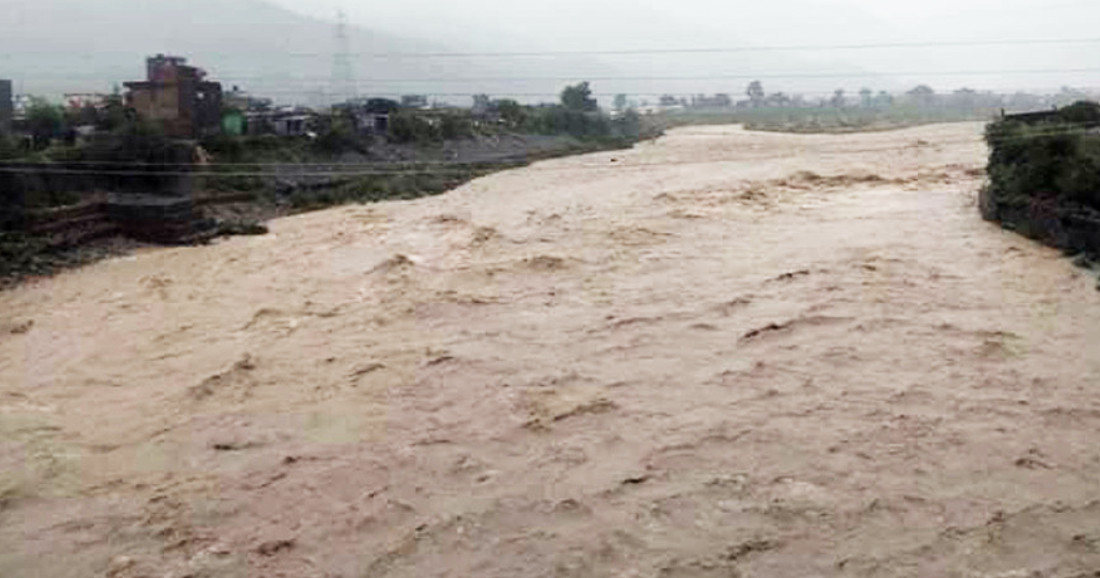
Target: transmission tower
[[343, 76]]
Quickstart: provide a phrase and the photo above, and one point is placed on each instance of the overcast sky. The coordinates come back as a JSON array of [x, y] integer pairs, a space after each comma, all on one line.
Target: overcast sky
[[609, 22], [241, 41], [626, 24]]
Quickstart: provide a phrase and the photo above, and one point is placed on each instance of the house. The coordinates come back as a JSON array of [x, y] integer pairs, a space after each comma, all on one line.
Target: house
[[77, 101], [21, 104], [716, 101], [178, 97], [292, 124], [370, 116], [283, 121], [7, 107], [415, 101]]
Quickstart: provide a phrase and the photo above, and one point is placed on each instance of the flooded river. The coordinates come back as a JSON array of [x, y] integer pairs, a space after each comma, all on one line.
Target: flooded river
[[720, 354]]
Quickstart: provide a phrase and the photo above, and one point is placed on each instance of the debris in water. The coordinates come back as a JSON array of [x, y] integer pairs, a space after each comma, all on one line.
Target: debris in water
[[23, 328], [593, 407], [792, 275], [545, 263], [366, 369], [398, 261], [273, 547], [752, 546], [1030, 463], [771, 327]]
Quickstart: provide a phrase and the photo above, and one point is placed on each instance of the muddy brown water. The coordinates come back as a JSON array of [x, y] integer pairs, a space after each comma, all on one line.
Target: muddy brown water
[[719, 354]]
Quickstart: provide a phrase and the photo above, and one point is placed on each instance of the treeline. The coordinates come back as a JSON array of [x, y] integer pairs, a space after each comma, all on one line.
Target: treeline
[[866, 109], [577, 114], [115, 150]]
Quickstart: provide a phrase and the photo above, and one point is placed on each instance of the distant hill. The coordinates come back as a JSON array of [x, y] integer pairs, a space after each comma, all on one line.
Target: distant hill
[[56, 46]]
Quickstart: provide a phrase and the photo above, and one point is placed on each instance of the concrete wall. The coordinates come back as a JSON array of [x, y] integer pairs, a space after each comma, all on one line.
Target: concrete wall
[[6, 106], [156, 104]]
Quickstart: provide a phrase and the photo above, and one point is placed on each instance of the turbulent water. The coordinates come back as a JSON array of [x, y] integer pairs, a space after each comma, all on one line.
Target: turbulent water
[[719, 354]]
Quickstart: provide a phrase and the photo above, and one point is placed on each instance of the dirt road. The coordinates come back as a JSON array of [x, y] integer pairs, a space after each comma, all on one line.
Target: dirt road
[[720, 354]]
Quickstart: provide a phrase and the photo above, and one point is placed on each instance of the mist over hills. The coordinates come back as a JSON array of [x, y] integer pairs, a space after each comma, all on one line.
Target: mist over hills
[[57, 46]]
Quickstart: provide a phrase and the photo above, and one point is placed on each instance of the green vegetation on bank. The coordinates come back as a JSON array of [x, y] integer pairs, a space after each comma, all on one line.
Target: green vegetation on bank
[[842, 112], [827, 119], [335, 162], [1044, 176]]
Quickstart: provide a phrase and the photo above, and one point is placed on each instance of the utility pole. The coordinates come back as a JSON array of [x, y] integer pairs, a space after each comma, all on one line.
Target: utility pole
[[343, 75]]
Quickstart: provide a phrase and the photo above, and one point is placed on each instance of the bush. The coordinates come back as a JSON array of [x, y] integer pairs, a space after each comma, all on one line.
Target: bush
[[225, 148], [380, 188], [8, 149], [455, 126], [1044, 177], [338, 139], [19, 253], [406, 127], [629, 125], [560, 120], [1048, 160], [138, 147], [511, 112]]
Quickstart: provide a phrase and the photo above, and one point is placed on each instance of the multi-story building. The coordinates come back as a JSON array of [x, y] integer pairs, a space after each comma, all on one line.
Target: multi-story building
[[7, 106], [178, 97]]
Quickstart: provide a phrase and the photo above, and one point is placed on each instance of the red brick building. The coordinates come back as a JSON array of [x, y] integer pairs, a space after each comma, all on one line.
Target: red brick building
[[178, 97]]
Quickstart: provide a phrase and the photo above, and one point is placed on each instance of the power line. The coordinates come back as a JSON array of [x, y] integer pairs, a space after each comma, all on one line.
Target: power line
[[733, 49], [1001, 42], [306, 91], [578, 77], [765, 76], [343, 75]]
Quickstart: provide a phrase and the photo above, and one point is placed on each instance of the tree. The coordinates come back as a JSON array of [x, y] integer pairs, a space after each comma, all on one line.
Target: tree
[[414, 101], [1069, 95], [755, 92], [838, 99], [922, 95], [510, 111], [964, 98], [381, 106], [620, 102], [482, 103], [778, 99], [668, 100], [44, 120], [578, 98], [113, 114], [866, 97], [629, 125], [884, 100]]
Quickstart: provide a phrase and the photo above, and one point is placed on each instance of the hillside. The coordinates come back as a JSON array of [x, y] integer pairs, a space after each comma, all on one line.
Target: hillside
[[56, 46], [66, 45]]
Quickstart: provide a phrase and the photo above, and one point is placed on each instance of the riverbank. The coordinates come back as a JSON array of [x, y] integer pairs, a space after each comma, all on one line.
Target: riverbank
[[238, 196], [1044, 179]]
